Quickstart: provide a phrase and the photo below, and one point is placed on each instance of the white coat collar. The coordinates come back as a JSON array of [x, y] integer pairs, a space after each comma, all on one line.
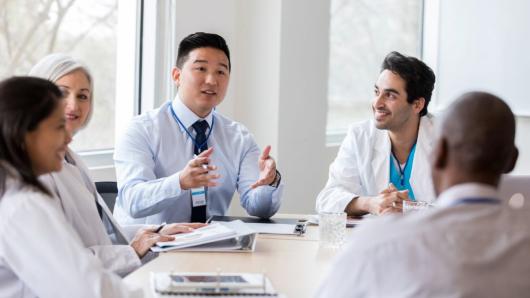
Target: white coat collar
[[381, 159], [420, 167], [74, 159]]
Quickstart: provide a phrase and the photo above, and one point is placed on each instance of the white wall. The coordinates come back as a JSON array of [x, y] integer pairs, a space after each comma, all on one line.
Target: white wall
[[256, 69], [211, 16], [303, 102]]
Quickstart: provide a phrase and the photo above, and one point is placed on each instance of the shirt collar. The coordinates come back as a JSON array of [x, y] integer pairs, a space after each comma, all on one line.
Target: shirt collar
[[466, 190], [187, 116]]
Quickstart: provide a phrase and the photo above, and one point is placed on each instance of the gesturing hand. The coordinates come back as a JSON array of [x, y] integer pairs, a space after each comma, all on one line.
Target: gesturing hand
[[197, 172], [267, 169]]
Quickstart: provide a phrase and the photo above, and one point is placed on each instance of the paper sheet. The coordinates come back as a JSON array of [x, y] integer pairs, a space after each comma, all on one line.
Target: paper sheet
[[265, 228]]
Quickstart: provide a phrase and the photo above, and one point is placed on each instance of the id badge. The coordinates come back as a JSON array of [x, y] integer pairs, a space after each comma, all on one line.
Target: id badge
[[198, 196]]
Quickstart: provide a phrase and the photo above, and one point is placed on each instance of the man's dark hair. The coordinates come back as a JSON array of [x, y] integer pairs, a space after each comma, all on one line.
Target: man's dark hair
[[201, 40], [418, 76], [24, 103]]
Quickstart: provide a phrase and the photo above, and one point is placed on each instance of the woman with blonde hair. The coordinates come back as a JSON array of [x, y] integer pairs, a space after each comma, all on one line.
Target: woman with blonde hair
[[40, 254], [119, 248]]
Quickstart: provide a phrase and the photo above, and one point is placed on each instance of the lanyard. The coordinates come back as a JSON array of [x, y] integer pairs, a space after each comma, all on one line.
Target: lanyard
[[466, 201], [198, 146], [402, 170]]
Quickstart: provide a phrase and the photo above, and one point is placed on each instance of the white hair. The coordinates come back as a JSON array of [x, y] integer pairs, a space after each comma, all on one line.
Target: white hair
[[55, 66]]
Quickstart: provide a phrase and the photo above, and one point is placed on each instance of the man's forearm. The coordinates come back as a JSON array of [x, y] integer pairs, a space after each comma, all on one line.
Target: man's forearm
[[358, 206]]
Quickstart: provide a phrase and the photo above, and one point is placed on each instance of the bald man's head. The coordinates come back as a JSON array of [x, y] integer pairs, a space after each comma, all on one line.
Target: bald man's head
[[476, 142]]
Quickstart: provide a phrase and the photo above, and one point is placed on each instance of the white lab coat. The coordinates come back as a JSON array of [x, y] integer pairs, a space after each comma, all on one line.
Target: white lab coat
[[42, 256], [77, 197], [362, 166]]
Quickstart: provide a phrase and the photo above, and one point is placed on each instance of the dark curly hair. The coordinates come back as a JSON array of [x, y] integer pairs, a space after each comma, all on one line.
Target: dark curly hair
[[418, 76]]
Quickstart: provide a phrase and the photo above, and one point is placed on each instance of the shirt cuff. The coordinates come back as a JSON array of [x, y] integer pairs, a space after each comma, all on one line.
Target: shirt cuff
[[172, 185]]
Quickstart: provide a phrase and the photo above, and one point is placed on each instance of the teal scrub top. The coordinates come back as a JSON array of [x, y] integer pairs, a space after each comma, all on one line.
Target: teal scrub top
[[400, 177]]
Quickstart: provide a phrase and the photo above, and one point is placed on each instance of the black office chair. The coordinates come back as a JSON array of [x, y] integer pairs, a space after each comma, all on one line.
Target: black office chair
[[108, 191]]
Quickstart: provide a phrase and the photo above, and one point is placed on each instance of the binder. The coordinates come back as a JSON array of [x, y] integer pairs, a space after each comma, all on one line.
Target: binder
[[217, 237]]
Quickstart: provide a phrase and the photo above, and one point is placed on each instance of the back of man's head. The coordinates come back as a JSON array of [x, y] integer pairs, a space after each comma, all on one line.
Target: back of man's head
[[418, 76], [201, 40], [476, 142]]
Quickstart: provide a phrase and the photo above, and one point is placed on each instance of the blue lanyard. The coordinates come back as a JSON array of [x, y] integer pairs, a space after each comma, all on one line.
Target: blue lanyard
[[466, 201], [198, 146]]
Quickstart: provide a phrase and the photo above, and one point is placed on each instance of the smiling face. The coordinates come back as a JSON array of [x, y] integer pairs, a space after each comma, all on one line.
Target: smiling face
[[46, 145], [390, 106], [78, 97], [203, 79]]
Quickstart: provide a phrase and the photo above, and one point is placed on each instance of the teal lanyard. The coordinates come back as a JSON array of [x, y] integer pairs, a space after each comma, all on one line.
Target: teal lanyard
[[402, 171], [400, 176], [177, 119]]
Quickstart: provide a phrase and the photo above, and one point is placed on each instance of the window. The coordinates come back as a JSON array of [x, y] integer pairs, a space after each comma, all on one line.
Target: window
[[362, 32], [86, 30]]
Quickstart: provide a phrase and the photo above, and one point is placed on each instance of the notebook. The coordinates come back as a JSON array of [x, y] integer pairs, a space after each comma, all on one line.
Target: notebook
[[209, 284]]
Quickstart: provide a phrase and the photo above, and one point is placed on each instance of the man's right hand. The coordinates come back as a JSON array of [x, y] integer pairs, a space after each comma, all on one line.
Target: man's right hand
[[145, 238], [390, 200], [197, 172]]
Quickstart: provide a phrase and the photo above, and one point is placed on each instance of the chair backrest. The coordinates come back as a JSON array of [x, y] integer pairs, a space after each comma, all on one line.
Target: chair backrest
[[108, 191], [515, 188]]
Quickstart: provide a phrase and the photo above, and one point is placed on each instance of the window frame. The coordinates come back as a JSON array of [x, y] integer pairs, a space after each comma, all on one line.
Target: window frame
[[143, 73]]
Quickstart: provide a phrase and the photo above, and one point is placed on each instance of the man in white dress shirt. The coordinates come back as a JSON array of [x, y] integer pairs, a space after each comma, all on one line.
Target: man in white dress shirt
[[384, 161], [184, 161], [471, 245]]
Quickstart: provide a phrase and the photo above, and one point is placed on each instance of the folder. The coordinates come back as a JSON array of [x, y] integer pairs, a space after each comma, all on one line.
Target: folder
[[278, 226]]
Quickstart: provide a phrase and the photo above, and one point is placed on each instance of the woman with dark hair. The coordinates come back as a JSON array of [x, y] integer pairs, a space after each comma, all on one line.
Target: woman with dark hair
[[40, 254]]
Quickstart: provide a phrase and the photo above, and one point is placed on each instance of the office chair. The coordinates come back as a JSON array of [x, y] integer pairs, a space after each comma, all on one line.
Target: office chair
[[108, 191]]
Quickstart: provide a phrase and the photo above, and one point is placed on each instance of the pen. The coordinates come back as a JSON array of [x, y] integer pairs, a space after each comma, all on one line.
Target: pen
[[204, 165], [159, 228], [209, 219]]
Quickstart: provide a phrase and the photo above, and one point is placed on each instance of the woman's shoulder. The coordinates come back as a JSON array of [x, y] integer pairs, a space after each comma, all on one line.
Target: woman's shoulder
[[20, 198]]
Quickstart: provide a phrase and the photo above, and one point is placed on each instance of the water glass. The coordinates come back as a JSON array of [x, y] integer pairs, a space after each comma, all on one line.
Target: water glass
[[332, 229]]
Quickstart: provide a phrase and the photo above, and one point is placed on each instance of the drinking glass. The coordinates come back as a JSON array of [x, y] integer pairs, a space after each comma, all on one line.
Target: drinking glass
[[332, 229]]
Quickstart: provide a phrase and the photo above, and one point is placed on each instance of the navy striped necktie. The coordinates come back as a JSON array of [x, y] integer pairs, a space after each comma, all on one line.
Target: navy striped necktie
[[198, 214]]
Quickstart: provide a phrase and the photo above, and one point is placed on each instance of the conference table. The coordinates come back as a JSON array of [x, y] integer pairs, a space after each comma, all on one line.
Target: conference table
[[294, 264]]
